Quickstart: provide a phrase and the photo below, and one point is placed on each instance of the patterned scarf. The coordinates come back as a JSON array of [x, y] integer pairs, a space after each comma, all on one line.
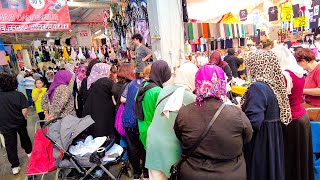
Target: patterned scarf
[[264, 67], [99, 70], [210, 82]]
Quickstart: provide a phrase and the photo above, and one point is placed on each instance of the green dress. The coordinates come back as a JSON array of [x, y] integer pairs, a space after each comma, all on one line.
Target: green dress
[[163, 147], [148, 106]]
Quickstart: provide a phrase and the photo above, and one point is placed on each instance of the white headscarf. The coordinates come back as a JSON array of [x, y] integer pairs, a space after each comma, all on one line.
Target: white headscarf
[[288, 62], [185, 76]]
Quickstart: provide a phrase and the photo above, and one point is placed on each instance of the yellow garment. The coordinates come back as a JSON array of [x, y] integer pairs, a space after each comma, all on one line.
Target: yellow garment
[[240, 90], [38, 102], [7, 58], [65, 54], [17, 47]]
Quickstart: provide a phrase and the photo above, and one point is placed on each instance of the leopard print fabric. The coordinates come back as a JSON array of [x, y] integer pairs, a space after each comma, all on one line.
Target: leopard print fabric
[[264, 67]]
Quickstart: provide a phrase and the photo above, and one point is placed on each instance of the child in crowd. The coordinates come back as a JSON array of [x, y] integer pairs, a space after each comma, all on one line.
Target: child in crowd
[[29, 86], [37, 94]]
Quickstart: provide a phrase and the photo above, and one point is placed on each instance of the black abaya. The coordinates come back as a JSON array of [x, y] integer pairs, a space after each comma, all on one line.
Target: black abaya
[[298, 150], [100, 106]]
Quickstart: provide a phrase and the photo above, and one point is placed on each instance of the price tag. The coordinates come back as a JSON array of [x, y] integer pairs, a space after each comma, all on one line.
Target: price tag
[[287, 12], [37, 4], [300, 21]]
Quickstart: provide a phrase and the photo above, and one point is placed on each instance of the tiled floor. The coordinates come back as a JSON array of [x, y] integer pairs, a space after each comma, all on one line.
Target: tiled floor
[[5, 167]]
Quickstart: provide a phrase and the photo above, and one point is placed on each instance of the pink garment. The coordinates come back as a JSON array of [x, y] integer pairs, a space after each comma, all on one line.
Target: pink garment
[[100, 70], [3, 60], [296, 97], [41, 160], [313, 81]]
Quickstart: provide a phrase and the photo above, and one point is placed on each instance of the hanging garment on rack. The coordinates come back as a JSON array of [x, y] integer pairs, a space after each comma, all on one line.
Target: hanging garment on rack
[[235, 42], [222, 32], [1, 46], [8, 49], [200, 31], [195, 30], [190, 31], [57, 42], [218, 29], [17, 47], [228, 30], [242, 41], [228, 44], [205, 27]]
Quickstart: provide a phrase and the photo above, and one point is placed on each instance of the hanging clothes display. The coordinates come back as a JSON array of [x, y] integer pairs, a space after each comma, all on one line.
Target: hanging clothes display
[[273, 13]]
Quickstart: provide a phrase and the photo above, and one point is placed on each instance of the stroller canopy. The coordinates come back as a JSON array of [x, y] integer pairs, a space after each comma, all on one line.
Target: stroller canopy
[[65, 130]]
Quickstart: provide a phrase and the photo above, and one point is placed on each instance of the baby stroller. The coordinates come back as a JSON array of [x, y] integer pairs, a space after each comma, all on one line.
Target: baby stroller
[[62, 133]]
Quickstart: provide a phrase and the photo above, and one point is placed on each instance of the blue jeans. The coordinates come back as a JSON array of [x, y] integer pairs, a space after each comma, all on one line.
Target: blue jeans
[[123, 144], [28, 92]]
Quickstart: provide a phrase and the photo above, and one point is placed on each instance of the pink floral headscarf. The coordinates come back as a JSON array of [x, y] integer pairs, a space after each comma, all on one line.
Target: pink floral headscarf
[[99, 70], [210, 82]]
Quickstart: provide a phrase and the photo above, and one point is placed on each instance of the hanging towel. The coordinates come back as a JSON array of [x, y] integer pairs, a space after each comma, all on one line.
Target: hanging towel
[[238, 31], [211, 30], [222, 35], [190, 31], [225, 30], [205, 27], [235, 30], [215, 32], [228, 29], [218, 29], [200, 34], [195, 30], [243, 31]]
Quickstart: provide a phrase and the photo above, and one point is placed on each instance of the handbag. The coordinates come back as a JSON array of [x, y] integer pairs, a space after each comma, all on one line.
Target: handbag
[[176, 167]]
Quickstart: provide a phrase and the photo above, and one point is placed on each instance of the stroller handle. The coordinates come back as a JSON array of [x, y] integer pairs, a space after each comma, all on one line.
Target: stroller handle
[[46, 124]]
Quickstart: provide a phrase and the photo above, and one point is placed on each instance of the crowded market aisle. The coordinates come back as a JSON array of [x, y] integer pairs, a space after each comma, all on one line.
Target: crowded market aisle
[[5, 167]]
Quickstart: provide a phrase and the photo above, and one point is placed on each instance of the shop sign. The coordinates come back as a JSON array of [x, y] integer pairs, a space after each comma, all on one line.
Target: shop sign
[[300, 21], [34, 16]]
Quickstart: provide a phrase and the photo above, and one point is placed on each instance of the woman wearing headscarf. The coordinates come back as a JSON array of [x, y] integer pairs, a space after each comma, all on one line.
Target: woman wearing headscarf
[[216, 59], [80, 75], [136, 151], [99, 103], [83, 92], [297, 135], [58, 101], [147, 96], [163, 147], [219, 155], [233, 62], [266, 104]]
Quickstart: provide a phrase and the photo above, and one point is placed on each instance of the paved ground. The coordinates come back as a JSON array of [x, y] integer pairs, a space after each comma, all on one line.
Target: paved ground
[[5, 167]]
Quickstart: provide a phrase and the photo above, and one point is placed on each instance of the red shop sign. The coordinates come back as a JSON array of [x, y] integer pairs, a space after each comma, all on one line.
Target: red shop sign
[[34, 16]]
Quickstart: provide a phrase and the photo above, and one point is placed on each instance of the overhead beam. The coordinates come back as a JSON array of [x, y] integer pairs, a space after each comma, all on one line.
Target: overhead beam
[[89, 5]]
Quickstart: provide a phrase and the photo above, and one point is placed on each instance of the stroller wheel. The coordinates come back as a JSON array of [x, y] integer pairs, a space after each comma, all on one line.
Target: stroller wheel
[[60, 175]]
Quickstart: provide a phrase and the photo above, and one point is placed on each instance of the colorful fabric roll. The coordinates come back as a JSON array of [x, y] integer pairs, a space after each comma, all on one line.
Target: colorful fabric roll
[[200, 33], [243, 31], [190, 31], [195, 30], [228, 31], [219, 30], [205, 28]]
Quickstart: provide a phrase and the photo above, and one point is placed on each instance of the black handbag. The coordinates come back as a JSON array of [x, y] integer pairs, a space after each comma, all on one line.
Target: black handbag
[[176, 167]]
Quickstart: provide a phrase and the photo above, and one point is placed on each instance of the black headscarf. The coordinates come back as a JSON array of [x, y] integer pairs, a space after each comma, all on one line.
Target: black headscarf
[[160, 73], [231, 52]]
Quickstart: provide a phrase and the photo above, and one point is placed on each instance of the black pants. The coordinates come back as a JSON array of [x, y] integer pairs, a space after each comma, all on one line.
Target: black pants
[[136, 151], [41, 117], [11, 144]]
